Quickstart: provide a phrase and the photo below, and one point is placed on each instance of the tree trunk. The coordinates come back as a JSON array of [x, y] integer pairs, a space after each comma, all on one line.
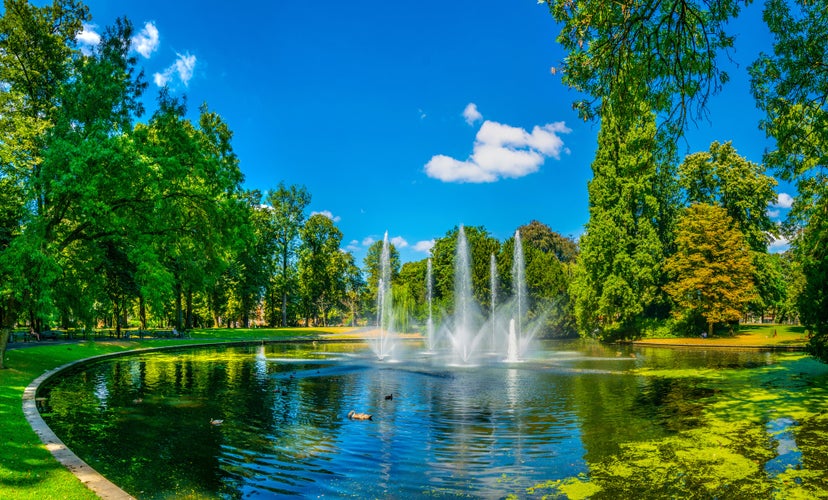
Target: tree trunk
[[709, 328], [284, 287], [189, 323], [178, 306], [142, 312], [4, 341], [117, 316]]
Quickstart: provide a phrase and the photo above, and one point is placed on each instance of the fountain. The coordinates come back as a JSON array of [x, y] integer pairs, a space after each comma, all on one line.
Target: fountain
[[505, 330], [464, 335], [519, 297], [508, 333], [430, 337], [493, 305], [385, 342]]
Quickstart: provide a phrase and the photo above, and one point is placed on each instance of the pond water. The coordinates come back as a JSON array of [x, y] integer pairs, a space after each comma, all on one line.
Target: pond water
[[577, 419]]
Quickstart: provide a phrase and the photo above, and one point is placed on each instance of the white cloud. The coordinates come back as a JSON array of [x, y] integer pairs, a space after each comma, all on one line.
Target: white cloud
[[399, 242], [182, 67], [146, 41], [424, 246], [353, 246], [328, 214], [471, 114], [784, 200], [501, 151], [779, 245], [368, 241], [774, 213], [88, 37]]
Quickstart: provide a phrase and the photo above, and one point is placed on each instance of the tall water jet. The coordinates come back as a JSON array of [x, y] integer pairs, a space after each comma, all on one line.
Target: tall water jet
[[464, 337], [431, 341], [384, 344], [493, 286], [519, 291]]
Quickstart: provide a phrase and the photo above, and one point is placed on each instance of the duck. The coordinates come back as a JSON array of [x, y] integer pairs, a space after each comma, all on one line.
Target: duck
[[389, 397], [359, 416], [215, 421]]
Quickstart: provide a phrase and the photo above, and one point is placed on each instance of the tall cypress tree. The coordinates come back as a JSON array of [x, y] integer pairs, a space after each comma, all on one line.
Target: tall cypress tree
[[632, 202]]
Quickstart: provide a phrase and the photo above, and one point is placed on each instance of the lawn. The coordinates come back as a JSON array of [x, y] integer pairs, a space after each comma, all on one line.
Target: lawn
[[747, 336]]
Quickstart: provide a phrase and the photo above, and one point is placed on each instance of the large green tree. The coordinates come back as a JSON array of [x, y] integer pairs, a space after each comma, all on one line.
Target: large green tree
[[287, 209], [36, 53], [791, 86], [712, 269], [372, 266], [444, 253], [631, 195], [323, 268], [549, 260], [721, 176]]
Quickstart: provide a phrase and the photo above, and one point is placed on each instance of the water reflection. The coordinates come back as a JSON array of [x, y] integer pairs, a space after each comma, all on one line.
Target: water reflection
[[486, 431]]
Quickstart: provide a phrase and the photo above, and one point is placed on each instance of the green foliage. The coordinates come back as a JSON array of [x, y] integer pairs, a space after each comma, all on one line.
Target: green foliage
[[288, 204], [791, 86], [720, 176], [618, 276], [549, 260], [323, 268], [712, 269], [481, 247], [661, 54], [372, 264]]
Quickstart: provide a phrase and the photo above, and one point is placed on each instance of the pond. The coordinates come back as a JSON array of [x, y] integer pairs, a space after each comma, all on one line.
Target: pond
[[576, 419]]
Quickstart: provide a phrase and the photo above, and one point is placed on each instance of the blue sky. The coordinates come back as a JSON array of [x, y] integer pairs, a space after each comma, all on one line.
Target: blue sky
[[406, 118]]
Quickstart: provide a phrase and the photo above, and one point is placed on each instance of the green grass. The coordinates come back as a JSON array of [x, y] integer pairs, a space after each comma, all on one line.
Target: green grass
[[27, 469], [747, 336]]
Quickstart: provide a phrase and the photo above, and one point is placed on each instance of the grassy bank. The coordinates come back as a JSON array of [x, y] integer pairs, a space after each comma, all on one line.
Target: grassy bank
[[747, 336], [27, 469]]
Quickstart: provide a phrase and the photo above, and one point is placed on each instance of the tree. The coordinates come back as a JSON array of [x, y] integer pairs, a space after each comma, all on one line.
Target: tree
[[791, 86], [288, 211], [372, 266], [548, 258], [712, 269], [321, 267], [355, 290], [662, 54], [618, 277], [481, 246], [541, 237], [720, 176], [35, 61]]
